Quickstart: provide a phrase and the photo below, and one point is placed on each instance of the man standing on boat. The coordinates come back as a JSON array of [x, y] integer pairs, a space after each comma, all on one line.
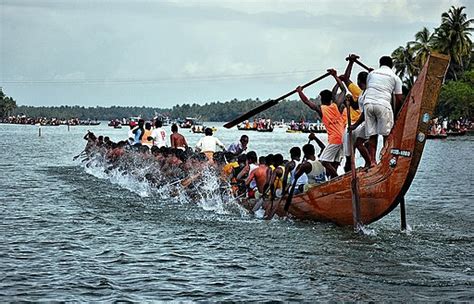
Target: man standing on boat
[[358, 134], [158, 134], [377, 107], [333, 119], [208, 143]]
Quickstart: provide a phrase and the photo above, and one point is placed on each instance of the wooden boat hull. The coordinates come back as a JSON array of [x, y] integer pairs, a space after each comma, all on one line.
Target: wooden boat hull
[[383, 186], [247, 129]]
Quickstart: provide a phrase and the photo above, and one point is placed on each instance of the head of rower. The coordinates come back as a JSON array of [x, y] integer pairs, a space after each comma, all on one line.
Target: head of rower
[[174, 128], [309, 152], [208, 132], [326, 97], [244, 140], [362, 80], [295, 153]]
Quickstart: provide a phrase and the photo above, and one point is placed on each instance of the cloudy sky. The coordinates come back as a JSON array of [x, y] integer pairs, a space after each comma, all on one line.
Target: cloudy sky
[[163, 53]]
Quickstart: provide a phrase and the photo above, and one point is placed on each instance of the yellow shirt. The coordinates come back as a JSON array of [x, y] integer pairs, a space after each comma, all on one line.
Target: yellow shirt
[[227, 169], [278, 184], [356, 92]]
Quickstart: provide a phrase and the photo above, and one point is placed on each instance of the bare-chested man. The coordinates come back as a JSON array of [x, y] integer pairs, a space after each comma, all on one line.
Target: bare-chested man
[[258, 179], [177, 140]]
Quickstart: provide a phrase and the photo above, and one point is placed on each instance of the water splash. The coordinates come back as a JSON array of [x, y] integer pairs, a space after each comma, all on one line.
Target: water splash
[[364, 230], [143, 176]]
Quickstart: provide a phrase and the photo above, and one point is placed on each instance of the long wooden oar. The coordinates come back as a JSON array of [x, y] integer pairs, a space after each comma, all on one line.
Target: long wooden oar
[[289, 198], [354, 180], [77, 156], [269, 104], [363, 65]]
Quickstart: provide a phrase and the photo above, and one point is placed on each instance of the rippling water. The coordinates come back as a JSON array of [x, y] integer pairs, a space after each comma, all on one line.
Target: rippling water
[[68, 233]]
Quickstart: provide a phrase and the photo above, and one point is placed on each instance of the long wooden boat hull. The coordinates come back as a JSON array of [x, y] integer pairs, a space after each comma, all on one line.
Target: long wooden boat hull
[[382, 187]]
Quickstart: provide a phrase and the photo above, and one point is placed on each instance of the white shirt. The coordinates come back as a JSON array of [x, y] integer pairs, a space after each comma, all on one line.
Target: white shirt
[[159, 137], [303, 179], [360, 100], [317, 174], [253, 182], [381, 84], [208, 144]]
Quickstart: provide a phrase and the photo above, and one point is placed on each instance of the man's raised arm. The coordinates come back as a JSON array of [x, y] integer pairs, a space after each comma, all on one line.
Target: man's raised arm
[[340, 98], [307, 102]]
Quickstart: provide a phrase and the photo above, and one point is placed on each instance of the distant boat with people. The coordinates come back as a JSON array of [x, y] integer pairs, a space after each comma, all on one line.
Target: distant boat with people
[[201, 129], [259, 125], [189, 122]]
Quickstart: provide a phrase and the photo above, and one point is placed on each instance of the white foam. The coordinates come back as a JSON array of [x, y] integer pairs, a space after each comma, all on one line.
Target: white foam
[[207, 191]]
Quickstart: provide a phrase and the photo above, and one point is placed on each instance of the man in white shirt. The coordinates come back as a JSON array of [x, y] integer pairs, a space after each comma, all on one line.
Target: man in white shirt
[[158, 134], [208, 143], [239, 147], [376, 104]]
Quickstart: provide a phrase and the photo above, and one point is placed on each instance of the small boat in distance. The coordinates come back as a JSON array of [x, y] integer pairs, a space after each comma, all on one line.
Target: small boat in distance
[[201, 129], [189, 122]]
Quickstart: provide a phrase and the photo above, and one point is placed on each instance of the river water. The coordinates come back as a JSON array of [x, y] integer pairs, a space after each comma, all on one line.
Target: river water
[[71, 233]]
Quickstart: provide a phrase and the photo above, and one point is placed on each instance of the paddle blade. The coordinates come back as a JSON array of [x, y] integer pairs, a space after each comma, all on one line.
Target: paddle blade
[[289, 198], [251, 113]]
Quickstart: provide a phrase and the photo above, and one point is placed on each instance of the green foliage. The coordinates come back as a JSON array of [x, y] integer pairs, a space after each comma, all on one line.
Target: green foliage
[[7, 104], [214, 111], [452, 37], [457, 97], [93, 113]]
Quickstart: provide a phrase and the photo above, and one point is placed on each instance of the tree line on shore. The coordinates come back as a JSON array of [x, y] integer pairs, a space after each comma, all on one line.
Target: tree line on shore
[[215, 111], [452, 37]]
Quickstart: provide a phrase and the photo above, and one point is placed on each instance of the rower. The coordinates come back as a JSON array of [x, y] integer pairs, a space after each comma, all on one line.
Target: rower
[[356, 105], [377, 109], [311, 167], [158, 135], [258, 179], [147, 138], [208, 143], [331, 115], [290, 169], [276, 180], [177, 140], [239, 147]]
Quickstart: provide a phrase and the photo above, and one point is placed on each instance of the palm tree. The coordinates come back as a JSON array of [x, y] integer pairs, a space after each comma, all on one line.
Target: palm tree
[[404, 64], [453, 37], [422, 46]]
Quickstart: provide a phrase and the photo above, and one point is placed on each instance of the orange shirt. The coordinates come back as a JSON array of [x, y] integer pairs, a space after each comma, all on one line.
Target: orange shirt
[[334, 122], [145, 136]]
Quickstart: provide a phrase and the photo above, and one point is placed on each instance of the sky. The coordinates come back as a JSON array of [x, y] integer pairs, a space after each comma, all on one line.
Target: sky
[[163, 53]]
